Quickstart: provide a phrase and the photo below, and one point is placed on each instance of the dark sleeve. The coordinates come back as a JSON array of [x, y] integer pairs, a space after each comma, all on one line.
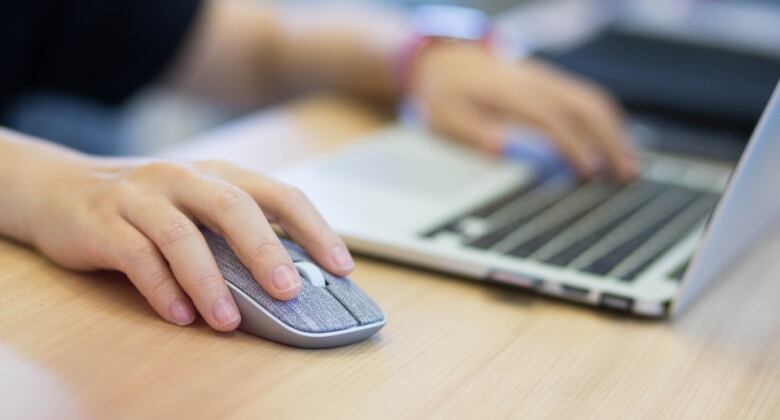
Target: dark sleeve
[[105, 49]]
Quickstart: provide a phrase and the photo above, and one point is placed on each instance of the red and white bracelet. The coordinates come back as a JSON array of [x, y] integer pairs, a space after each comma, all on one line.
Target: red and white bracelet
[[436, 25], [404, 64]]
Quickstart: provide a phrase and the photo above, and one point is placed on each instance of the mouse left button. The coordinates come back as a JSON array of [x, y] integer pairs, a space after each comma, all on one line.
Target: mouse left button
[[311, 272], [296, 252], [313, 311]]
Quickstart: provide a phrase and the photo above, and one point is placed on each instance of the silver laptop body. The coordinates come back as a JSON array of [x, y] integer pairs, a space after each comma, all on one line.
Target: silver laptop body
[[648, 247]]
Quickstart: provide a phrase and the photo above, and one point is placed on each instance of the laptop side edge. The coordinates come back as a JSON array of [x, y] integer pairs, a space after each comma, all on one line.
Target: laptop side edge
[[750, 203]]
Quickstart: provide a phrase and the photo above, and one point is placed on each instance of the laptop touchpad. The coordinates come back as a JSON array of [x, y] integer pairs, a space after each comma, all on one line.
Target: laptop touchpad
[[401, 179], [419, 165]]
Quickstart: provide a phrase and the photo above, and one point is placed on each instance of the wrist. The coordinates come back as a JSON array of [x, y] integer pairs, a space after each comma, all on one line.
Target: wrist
[[434, 26], [410, 57], [348, 50], [31, 171]]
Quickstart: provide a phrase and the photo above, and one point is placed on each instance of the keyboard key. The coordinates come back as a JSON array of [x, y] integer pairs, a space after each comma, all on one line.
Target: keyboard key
[[506, 203], [530, 246], [678, 273], [672, 233], [516, 194], [452, 227], [611, 259], [534, 203], [574, 204], [602, 221]]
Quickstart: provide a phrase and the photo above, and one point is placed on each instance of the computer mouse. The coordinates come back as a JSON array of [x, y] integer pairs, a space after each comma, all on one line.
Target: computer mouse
[[330, 311]]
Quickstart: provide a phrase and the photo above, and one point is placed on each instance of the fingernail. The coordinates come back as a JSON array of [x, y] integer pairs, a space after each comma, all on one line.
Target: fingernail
[[225, 312], [181, 313], [341, 257], [285, 279]]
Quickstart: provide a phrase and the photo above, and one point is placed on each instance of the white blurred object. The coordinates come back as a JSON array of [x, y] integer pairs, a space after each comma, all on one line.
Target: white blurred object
[[552, 23], [32, 391], [159, 118], [739, 24], [745, 25]]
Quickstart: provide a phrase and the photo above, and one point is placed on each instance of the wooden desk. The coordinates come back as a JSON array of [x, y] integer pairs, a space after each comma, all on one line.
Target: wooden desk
[[452, 348]]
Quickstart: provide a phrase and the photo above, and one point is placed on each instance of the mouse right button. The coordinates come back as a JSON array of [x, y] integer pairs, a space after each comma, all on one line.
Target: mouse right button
[[365, 310]]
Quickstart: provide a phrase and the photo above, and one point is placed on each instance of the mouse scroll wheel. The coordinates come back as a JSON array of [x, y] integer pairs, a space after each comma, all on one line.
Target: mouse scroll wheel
[[311, 272]]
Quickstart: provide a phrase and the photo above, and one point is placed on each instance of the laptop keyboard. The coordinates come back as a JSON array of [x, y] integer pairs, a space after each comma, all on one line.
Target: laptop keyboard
[[597, 227]]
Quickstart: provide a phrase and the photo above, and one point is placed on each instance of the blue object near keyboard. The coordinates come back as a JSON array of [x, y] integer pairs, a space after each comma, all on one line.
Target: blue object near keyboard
[[537, 151]]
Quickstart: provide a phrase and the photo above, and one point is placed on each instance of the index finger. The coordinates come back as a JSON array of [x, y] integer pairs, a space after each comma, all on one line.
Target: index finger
[[234, 214], [290, 208]]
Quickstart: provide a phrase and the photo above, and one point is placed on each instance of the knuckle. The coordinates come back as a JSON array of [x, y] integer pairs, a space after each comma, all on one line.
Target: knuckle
[[208, 283], [292, 196], [139, 253], [230, 198], [599, 99], [165, 169], [158, 284], [264, 249], [124, 189], [557, 126], [112, 195], [215, 166], [177, 230]]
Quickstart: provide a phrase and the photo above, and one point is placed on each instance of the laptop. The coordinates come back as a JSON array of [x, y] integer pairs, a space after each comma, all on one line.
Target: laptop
[[649, 247]]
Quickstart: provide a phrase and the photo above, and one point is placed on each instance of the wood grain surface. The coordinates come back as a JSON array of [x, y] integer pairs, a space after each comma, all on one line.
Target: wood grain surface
[[88, 345]]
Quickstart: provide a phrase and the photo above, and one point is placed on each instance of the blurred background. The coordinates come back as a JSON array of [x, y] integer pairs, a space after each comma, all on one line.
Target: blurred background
[[733, 41]]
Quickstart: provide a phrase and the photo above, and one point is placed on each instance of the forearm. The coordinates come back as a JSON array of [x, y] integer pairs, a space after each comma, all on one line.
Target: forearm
[[245, 53], [23, 161], [347, 49]]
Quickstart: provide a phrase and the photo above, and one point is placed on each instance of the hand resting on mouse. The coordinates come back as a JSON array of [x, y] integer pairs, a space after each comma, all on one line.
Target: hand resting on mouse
[[141, 217]]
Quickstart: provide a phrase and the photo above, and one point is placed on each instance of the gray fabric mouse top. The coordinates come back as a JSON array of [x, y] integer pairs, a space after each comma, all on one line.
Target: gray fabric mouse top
[[339, 305]]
